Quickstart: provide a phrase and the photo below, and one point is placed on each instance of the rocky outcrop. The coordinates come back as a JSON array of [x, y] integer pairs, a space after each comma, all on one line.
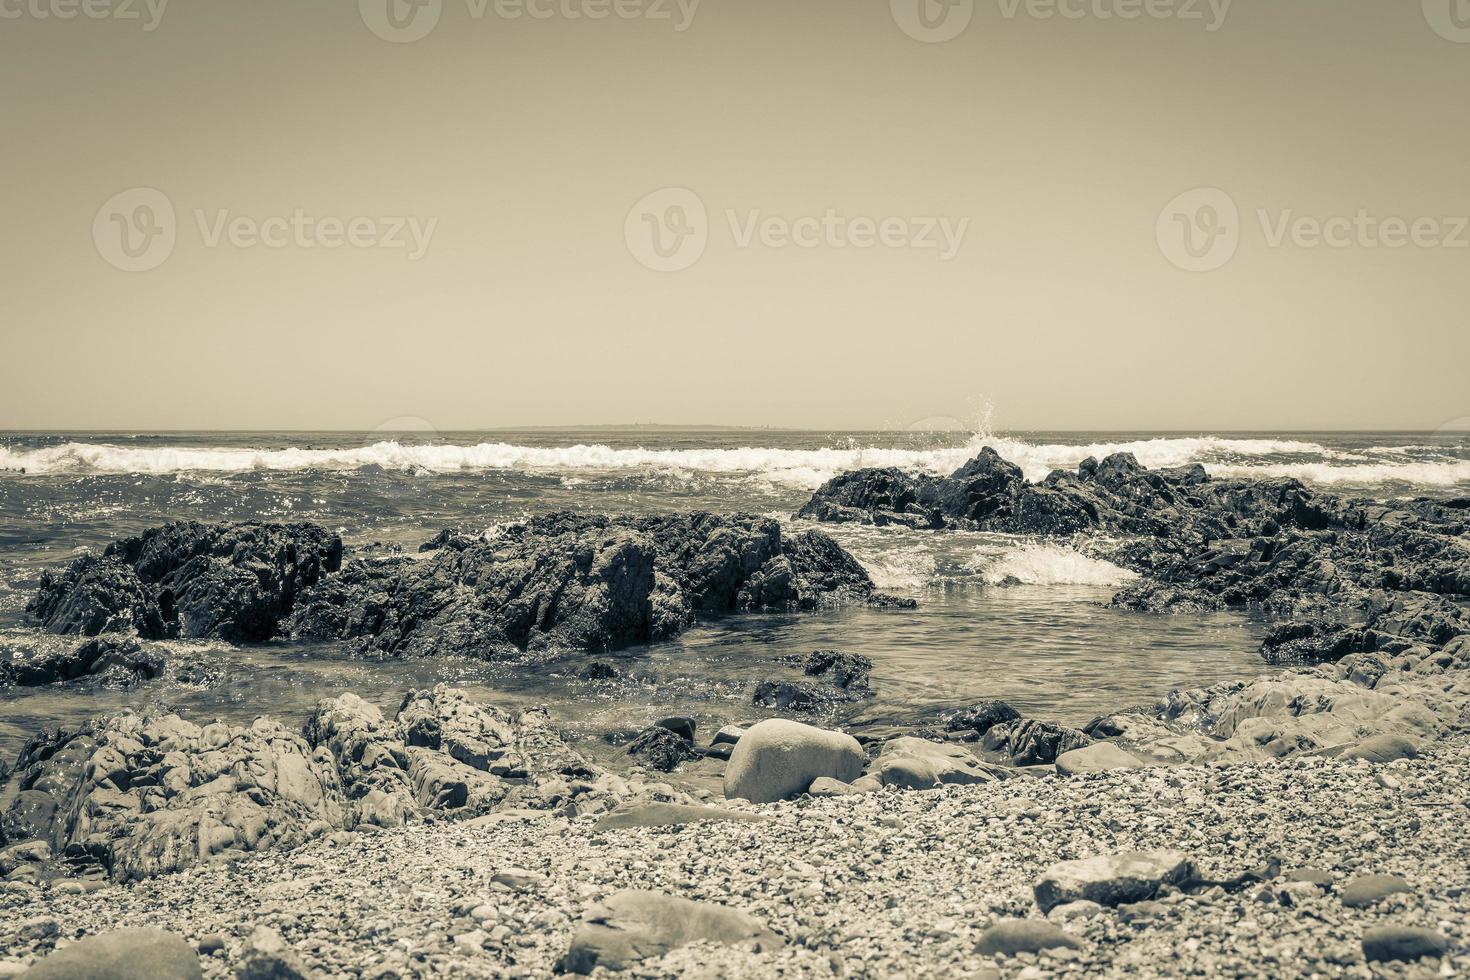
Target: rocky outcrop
[[110, 659], [133, 796], [232, 582], [1202, 543], [581, 582], [563, 581]]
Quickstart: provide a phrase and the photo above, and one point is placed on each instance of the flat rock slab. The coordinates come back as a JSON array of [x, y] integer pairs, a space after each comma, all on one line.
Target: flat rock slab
[[1406, 943], [128, 954], [1112, 879], [1012, 936], [633, 925], [1098, 757], [670, 814], [1384, 748], [1368, 890]]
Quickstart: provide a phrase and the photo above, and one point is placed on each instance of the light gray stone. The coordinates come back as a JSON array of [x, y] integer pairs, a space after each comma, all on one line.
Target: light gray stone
[[778, 759], [1111, 879], [634, 925]]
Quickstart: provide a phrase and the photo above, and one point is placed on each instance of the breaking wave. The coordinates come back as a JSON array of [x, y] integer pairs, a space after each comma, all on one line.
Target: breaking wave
[[805, 468], [1033, 563]]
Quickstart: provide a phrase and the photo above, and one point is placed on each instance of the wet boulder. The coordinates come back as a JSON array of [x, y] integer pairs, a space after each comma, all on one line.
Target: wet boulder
[[848, 671], [1029, 742], [662, 749]]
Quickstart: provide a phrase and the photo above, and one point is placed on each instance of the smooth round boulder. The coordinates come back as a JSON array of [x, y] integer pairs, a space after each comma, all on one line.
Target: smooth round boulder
[[778, 759], [128, 954], [1097, 757], [1406, 943]]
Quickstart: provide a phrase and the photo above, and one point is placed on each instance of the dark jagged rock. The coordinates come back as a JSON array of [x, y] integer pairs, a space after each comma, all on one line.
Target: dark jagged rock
[[96, 595], [112, 659], [1204, 544], [848, 671], [598, 670], [580, 582], [799, 696], [979, 718], [450, 537], [681, 726], [232, 582], [1153, 597], [659, 748], [1030, 742]]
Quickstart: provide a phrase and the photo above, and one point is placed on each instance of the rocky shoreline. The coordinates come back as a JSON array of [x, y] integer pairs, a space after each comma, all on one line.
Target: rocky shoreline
[[1305, 823], [881, 884]]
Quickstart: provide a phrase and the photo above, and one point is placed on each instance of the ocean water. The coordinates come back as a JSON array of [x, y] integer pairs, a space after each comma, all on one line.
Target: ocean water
[[998, 616]]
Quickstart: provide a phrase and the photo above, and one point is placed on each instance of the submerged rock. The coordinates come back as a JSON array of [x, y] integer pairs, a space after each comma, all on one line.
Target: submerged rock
[[798, 696], [848, 671], [118, 660]]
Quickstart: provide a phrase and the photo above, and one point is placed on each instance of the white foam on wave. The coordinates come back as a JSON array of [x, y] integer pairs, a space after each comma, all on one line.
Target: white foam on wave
[[1446, 474], [1035, 563], [803, 468]]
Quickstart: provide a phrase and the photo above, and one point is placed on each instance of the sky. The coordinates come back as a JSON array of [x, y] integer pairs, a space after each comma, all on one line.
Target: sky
[[1088, 214]]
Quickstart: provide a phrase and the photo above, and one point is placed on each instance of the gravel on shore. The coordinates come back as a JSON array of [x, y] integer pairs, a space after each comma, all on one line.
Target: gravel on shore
[[890, 884]]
